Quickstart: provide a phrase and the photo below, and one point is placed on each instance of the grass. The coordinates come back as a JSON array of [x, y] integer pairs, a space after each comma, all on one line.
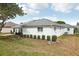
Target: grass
[[16, 46]]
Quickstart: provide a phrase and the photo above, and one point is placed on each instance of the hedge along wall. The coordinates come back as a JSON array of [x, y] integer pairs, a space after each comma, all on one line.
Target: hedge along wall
[[45, 37], [50, 36], [32, 36]]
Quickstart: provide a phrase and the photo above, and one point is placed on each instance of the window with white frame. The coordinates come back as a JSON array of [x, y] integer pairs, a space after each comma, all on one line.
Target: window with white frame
[[61, 27], [54, 28], [40, 29], [68, 29]]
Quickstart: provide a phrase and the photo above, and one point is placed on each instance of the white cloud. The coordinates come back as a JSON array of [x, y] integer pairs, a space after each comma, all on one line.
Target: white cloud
[[28, 10], [24, 7], [32, 12], [77, 7], [71, 21], [33, 9], [38, 6], [52, 18], [63, 7]]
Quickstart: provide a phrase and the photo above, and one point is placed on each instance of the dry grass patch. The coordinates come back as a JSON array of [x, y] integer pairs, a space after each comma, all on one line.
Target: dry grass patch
[[65, 45]]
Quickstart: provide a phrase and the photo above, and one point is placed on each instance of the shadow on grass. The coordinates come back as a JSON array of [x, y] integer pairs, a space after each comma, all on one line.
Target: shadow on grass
[[10, 37]]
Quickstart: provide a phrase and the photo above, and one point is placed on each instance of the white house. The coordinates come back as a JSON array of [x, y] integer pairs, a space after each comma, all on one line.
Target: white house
[[8, 27], [45, 27]]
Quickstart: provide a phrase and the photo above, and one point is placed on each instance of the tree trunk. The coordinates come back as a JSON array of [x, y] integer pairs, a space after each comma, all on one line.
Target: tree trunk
[[2, 25]]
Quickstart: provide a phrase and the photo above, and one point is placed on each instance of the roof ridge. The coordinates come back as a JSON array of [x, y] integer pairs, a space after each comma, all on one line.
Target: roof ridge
[[38, 20]]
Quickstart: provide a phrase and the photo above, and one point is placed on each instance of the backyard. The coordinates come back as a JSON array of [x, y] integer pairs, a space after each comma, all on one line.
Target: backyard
[[16, 46]]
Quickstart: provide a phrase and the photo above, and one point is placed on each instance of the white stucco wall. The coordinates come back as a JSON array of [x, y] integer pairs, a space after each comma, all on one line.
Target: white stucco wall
[[60, 32], [71, 31], [6, 30], [47, 31]]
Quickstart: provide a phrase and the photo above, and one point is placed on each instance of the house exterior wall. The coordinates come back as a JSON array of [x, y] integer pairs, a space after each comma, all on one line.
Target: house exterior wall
[[60, 32], [71, 31], [6, 30], [47, 31]]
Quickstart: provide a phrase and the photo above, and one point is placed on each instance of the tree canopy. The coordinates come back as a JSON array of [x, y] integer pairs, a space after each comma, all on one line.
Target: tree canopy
[[60, 22], [9, 11]]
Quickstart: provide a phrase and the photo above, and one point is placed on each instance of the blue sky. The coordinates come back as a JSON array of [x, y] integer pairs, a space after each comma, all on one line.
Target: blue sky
[[68, 12]]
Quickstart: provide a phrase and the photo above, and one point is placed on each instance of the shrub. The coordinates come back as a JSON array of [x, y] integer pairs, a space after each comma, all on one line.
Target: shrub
[[11, 32], [19, 33], [54, 38], [15, 33], [31, 36], [48, 38], [76, 30], [38, 36], [27, 36], [34, 36], [24, 36], [43, 37]]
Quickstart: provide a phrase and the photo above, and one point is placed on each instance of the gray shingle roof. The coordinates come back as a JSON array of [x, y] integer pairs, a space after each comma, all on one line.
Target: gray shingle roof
[[44, 22], [38, 22], [9, 24]]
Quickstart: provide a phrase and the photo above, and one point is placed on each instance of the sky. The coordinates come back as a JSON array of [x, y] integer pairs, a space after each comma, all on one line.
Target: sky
[[68, 12]]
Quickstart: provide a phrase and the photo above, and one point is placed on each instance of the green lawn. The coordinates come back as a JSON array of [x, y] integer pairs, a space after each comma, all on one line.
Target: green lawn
[[16, 46]]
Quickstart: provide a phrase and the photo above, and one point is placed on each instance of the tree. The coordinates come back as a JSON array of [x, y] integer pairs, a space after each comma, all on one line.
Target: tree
[[9, 11], [76, 31], [60, 22]]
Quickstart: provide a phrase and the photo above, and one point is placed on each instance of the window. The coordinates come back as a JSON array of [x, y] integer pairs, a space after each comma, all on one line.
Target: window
[[13, 29], [40, 29], [54, 28], [60, 27], [68, 29], [20, 30]]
